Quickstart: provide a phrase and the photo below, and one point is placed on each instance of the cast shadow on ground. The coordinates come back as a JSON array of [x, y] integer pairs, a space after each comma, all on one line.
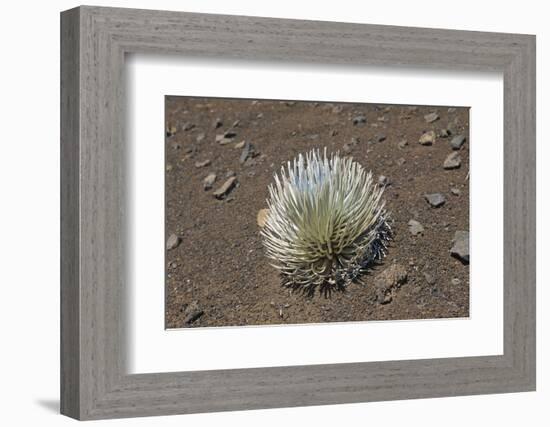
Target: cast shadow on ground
[[51, 405]]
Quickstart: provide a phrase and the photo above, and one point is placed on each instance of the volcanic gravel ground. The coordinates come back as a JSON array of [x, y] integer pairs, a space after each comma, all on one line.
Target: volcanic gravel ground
[[216, 270]]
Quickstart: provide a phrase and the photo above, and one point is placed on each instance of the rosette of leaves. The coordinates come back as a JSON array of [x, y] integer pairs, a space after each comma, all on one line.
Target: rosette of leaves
[[326, 223]]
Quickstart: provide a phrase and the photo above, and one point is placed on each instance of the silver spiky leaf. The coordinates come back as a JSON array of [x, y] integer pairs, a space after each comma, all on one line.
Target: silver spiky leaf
[[326, 222]]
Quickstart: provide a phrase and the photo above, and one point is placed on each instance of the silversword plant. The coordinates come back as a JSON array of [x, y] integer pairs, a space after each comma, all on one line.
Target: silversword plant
[[326, 223]]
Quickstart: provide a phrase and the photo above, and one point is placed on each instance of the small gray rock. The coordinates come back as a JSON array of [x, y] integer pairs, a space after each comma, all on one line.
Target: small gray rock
[[359, 120], [403, 143], [188, 126], [202, 163], [380, 138], [435, 199], [427, 138], [383, 180], [218, 123], [225, 189], [452, 161], [222, 140], [415, 227], [461, 246], [173, 242], [248, 152], [457, 142], [261, 217], [455, 281], [200, 137], [432, 117], [455, 191], [192, 313], [385, 283], [171, 130], [209, 181], [400, 162], [444, 133]]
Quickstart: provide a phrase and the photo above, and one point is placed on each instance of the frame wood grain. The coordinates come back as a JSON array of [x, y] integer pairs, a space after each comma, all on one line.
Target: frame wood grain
[[94, 381]]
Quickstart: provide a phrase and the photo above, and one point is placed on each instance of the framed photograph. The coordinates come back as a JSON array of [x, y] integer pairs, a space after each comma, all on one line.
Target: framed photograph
[[261, 213]]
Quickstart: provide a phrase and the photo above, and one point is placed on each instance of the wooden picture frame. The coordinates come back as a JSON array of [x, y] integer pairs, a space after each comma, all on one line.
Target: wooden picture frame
[[94, 382]]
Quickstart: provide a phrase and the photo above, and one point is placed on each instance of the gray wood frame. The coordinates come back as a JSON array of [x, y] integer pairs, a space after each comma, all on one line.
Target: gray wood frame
[[94, 382]]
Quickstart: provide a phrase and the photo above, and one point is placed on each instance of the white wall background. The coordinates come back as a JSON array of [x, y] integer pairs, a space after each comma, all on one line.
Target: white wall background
[[29, 212]]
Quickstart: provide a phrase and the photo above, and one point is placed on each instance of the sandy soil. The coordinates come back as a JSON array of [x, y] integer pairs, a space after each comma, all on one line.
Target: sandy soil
[[218, 275]]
